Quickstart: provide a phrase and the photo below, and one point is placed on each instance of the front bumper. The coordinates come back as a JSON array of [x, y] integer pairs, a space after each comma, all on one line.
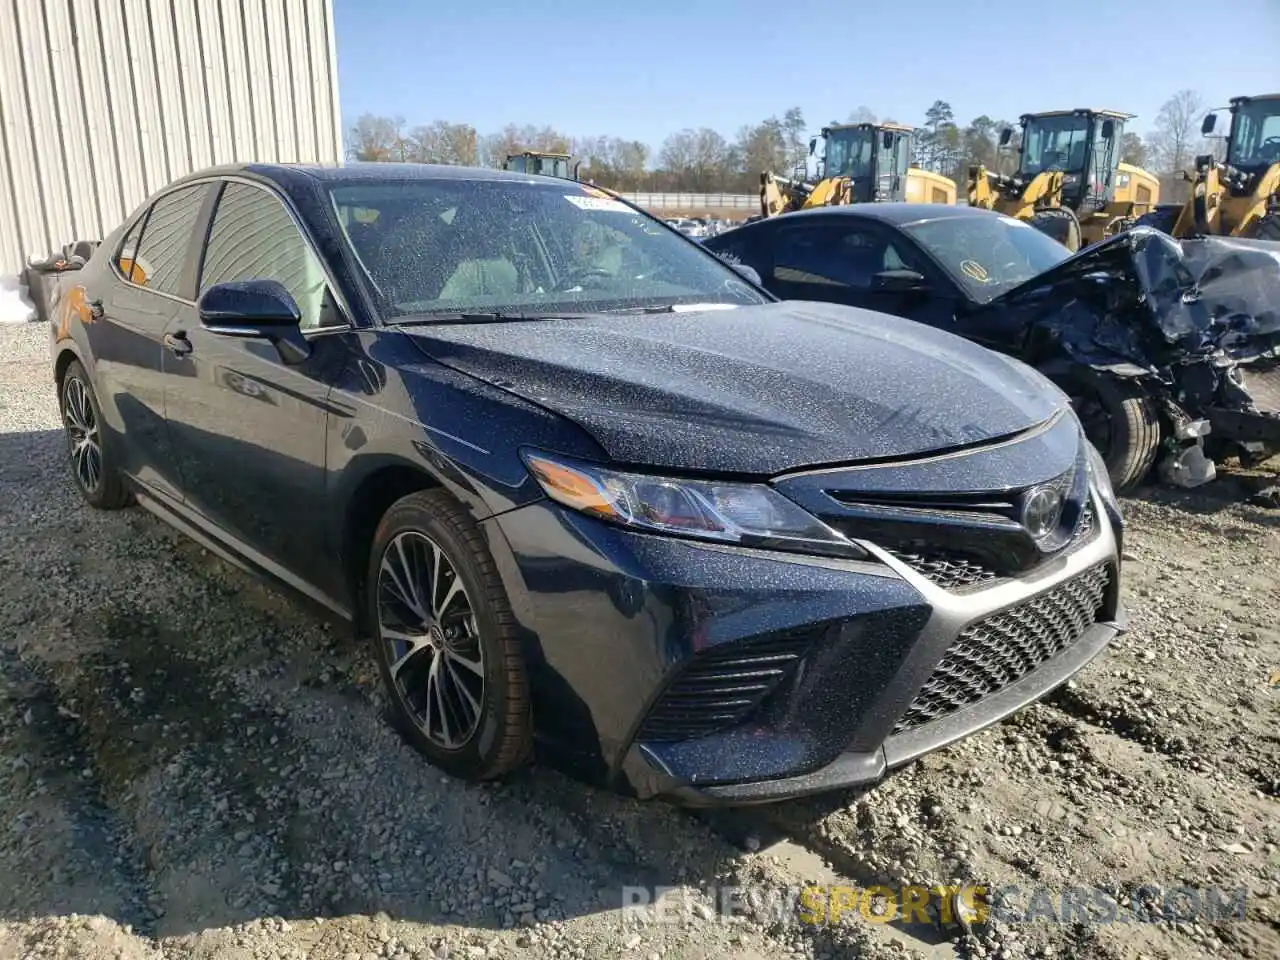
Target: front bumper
[[630, 638]]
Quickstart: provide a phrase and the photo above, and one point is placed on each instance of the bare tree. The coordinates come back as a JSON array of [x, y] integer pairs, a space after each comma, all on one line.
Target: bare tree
[[863, 114], [1171, 144], [377, 138], [793, 127], [443, 142], [512, 139]]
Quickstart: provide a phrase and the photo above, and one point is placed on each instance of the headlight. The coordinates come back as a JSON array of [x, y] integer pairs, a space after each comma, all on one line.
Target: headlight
[[1101, 476], [1070, 179], [749, 514]]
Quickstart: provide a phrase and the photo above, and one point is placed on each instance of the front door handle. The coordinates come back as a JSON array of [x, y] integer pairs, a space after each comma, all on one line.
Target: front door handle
[[178, 344]]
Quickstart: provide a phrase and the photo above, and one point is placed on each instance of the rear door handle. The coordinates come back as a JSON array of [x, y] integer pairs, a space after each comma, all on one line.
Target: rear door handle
[[178, 344]]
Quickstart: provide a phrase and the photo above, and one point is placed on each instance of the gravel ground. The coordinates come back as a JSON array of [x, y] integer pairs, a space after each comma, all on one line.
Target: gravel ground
[[193, 765]]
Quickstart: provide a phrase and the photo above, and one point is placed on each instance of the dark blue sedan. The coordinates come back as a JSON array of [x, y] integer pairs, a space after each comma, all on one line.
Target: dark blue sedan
[[582, 484]]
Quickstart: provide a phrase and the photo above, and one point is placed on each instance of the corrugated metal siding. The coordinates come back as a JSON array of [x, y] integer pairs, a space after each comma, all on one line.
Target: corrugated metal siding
[[104, 101]]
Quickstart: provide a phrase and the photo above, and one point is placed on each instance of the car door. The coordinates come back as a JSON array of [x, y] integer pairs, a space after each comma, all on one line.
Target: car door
[[140, 294], [249, 429]]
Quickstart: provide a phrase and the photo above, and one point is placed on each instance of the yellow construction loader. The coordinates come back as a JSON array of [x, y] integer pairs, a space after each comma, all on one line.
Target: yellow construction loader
[[1241, 196], [1070, 182], [861, 163], [543, 164]]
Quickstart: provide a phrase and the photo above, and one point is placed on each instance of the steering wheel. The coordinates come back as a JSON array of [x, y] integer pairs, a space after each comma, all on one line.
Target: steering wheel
[[581, 278]]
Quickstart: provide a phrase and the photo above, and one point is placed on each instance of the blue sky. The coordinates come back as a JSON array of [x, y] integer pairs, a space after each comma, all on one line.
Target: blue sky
[[644, 70]]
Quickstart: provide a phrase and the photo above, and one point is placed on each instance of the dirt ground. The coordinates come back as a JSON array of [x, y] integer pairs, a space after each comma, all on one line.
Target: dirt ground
[[192, 765]]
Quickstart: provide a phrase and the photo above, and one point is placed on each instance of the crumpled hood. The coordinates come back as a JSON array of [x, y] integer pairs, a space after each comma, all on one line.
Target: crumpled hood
[[1144, 298], [755, 390]]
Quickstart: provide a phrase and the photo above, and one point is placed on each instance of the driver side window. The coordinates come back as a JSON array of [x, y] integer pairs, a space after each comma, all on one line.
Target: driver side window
[[834, 255]]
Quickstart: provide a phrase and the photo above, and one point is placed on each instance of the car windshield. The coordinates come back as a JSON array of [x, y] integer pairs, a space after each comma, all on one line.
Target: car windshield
[[988, 255], [1255, 134], [850, 152], [454, 246], [1054, 143]]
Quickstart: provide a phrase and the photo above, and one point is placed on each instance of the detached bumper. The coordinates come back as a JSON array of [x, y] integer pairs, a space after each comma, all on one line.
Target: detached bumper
[[716, 675]]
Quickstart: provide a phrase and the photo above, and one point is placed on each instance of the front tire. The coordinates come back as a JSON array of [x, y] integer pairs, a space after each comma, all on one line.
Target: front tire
[[1061, 224], [1121, 420], [446, 640], [1266, 227], [93, 467]]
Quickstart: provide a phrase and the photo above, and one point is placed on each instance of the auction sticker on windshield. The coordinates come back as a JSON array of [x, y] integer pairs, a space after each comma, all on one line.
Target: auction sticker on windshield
[[599, 203]]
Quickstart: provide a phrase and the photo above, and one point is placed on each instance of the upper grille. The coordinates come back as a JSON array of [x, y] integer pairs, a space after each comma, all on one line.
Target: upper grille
[[953, 571], [1004, 647], [721, 686]]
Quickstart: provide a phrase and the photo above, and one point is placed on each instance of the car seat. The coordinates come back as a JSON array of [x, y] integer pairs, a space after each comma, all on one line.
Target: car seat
[[484, 271]]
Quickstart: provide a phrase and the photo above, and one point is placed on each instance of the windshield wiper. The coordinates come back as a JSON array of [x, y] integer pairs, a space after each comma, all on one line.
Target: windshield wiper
[[677, 308], [494, 316]]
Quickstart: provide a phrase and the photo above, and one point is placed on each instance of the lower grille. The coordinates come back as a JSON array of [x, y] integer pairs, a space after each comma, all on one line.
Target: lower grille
[[993, 653], [947, 571], [722, 686]]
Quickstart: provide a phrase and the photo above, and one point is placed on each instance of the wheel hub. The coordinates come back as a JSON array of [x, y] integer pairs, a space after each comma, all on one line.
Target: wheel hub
[[430, 639]]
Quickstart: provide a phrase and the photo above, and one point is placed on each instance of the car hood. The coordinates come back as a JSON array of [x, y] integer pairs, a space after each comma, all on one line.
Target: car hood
[[755, 390]]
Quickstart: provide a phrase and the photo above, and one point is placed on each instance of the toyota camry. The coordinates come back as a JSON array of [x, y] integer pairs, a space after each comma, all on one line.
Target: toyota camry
[[585, 487]]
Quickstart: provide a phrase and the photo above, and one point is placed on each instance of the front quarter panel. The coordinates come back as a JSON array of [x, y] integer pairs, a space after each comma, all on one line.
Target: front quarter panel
[[395, 408]]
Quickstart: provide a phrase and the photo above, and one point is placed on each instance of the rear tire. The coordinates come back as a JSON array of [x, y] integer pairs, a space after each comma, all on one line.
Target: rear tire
[[89, 450], [446, 641], [1121, 420], [1061, 224]]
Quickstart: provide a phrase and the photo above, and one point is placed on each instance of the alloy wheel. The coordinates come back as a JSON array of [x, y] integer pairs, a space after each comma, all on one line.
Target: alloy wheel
[[82, 432], [431, 641]]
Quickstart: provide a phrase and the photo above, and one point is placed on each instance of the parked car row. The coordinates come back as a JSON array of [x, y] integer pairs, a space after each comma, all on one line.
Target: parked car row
[[699, 228], [592, 491]]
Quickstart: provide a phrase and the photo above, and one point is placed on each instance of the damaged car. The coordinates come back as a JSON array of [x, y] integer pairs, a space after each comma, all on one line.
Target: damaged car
[[1167, 348]]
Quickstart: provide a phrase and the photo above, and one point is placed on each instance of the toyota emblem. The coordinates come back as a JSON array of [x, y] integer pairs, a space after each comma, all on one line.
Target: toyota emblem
[[1041, 511]]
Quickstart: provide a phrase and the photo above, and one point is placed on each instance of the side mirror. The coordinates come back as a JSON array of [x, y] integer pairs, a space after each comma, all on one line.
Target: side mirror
[[256, 310], [899, 281], [813, 145], [1108, 129], [1208, 123], [749, 272], [886, 140], [1005, 136]]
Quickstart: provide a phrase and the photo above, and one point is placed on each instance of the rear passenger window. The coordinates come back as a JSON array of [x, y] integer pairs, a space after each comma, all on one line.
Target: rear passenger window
[[253, 237], [166, 236]]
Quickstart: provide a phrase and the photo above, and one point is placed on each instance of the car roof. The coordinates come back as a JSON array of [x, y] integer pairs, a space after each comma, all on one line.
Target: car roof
[[891, 213], [292, 173]]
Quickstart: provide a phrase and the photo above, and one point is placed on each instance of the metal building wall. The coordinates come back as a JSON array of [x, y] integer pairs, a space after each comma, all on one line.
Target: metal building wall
[[104, 101]]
